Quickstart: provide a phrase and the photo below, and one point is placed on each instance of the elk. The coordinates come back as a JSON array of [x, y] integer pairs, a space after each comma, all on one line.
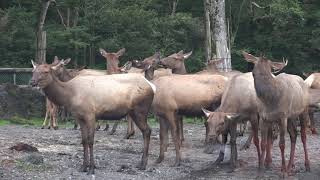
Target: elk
[[51, 108], [180, 95], [212, 68], [282, 99], [175, 62], [239, 104], [91, 97], [313, 81]]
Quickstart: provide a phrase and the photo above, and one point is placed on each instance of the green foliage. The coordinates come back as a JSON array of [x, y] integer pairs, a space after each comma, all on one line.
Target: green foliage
[[288, 29]]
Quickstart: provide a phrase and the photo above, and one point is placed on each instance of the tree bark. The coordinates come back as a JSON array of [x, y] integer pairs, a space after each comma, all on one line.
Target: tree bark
[[208, 37], [40, 56], [220, 33], [173, 6]]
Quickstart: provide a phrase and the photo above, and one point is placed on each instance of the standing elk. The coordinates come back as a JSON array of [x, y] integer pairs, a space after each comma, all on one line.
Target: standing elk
[[180, 95], [92, 97], [51, 108], [282, 99], [239, 104]]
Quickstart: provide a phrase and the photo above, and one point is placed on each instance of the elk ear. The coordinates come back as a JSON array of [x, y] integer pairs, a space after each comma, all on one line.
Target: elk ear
[[206, 112], [249, 57], [102, 52], [180, 52], [186, 56], [65, 62], [232, 116], [278, 66], [34, 64], [306, 74], [121, 52], [55, 60]]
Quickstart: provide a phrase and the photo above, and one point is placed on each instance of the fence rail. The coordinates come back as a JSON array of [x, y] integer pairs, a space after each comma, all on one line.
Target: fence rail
[[16, 76]]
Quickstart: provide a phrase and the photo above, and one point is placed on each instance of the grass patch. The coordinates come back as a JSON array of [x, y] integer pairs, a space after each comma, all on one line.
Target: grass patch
[[4, 122]]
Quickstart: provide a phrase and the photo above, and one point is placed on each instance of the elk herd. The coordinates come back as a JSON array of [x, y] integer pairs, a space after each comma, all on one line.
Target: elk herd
[[163, 87]]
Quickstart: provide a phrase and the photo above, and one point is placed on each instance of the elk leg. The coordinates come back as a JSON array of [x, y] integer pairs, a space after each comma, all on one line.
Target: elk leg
[[282, 126], [45, 119], [98, 126], [263, 143], [139, 116], [75, 126], [312, 122], [233, 143], [268, 160], [247, 144], [175, 136], [91, 131], [130, 129], [303, 121], [84, 135], [292, 130], [114, 127], [180, 121], [54, 116], [163, 138], [254, 133], [106, 128], [222, 147]]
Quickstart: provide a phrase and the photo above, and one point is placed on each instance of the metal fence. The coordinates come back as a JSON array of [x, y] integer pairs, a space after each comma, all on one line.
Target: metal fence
[[16, 76]]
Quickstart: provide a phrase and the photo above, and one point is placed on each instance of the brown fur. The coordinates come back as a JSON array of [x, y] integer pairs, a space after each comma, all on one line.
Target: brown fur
[[180, 95], [91, 97], [282, 99]]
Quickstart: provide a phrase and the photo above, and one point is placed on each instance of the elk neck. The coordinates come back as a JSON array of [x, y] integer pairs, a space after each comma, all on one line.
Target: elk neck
[[58, 92], [180, 70]]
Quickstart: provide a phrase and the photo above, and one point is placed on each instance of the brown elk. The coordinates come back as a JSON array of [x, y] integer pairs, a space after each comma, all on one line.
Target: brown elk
[[107, 97], [282, 99], [171, 103], [239, 104], [51, 108]]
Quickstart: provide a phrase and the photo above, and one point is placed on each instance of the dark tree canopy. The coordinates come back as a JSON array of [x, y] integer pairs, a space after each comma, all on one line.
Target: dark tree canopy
[[77, 28]]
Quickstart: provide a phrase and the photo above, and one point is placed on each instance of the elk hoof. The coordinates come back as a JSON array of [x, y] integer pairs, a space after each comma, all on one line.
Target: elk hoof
[[84, 168], [112, 132], [97, 128], [106, 128], [159, 160], [177, 163], [49, 127], [314, 131], [91, 171], [56, 128], [127, 136], [245, 146], [141, 166], [43, 127]]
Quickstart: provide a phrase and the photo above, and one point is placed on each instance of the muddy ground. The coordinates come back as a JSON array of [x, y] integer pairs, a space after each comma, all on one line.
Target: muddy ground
[[60, 156]]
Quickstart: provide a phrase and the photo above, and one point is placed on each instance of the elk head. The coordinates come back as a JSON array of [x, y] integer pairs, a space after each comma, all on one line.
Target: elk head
[[175, 61], [112, 60], [217, 123], [213, 65], [42, 75], [264, 66]]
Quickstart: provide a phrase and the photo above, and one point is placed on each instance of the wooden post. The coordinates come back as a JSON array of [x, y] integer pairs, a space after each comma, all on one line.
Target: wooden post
[[14, 78]]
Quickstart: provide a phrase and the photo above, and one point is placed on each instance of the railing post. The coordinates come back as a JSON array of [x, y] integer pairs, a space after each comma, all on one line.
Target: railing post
[[14, 78]]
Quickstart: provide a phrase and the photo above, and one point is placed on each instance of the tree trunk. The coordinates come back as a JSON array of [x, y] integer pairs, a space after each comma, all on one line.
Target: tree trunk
[[220, 33], [173, 6], [208, 37], [40, 56]]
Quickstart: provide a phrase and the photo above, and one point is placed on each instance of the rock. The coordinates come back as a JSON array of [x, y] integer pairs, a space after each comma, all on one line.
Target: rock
[[24, 147], [34, 158]]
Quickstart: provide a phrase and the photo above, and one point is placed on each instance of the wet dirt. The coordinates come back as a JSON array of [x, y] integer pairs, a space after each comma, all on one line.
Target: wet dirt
[[60, 153]]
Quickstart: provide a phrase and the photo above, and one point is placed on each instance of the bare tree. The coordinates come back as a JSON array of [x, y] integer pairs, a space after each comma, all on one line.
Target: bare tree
[[40, 56], [173, 6], [208, 37], [216, 33]]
